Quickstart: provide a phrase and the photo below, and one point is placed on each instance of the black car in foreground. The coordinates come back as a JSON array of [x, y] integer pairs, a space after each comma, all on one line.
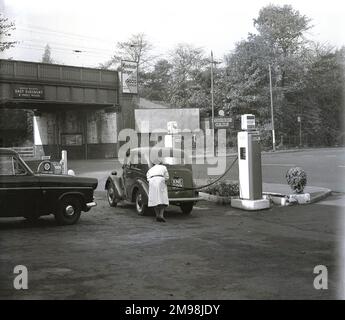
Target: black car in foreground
[[26, 194]]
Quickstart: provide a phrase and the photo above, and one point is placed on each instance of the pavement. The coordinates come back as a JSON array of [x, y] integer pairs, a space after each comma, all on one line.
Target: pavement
[[316, 193], [275, 189]]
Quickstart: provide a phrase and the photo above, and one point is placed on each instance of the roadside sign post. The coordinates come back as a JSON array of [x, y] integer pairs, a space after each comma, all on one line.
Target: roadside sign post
[[222, 122]]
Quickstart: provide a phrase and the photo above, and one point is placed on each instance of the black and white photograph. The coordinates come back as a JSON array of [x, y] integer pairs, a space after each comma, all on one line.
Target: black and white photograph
[[188, 152]]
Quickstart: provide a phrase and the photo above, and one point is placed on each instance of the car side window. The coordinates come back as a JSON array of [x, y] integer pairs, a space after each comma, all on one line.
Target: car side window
[[6, 166], [134, 159], [19, 170], [10, 166]]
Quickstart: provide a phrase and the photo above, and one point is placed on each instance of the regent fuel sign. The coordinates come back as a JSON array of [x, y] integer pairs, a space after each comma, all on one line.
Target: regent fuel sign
[[129, 75]]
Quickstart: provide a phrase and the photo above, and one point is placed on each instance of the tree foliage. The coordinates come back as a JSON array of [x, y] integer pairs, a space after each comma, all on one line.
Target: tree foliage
[[46, 57], [279, 42], [136, 48], [6, 27], [307, 77], [182, 80]]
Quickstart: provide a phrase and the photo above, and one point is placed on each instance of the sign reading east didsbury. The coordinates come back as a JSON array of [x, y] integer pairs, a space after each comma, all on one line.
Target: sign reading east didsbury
[[28, 92]]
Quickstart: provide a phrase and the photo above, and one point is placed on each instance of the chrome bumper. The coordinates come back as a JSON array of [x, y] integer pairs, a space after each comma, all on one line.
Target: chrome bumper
[[91, 204]]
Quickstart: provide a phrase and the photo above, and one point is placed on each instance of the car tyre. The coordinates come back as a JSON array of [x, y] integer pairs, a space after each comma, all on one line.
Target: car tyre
[[69, 210], [187, 207], [111, 195], [140, 206]]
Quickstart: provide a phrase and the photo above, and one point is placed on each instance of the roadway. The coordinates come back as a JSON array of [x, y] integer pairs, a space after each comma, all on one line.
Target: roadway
[[325, 167]]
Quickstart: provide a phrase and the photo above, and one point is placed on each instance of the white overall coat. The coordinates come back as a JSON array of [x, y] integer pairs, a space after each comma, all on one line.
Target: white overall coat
[[158, 191]]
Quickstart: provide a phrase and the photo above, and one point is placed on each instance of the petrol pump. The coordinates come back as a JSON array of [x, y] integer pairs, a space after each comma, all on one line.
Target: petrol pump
[[249, 167]]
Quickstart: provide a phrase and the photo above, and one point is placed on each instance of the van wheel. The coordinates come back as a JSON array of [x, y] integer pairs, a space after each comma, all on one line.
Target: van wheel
[[187, 207], [69, 210], [140, 205], [111, 195]]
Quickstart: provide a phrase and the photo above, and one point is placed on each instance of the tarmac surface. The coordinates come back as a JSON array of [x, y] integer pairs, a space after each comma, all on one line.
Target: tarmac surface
[[217, 252]]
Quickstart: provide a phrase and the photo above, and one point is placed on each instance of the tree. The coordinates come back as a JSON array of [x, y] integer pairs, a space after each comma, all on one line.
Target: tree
[[184, 80], [282, 28], [279, 42], [136, 48], [155, 84], [323, 96], [281, 31], [188, 77], [46, 57], [5, 31]]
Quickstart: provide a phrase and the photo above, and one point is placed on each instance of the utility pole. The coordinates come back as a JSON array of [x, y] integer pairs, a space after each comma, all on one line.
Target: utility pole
[[212, 98], [272, 117], [212, 104]]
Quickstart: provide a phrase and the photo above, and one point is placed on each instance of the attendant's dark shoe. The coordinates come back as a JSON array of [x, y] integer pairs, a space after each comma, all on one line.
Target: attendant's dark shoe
[[159, 219]]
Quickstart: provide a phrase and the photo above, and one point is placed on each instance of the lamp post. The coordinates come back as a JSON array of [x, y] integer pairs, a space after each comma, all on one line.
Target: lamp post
[[272, 116], [212, 94], [299, 120]]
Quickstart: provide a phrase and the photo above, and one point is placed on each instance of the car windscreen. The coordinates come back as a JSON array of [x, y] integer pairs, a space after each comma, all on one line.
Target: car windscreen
[[174, 160], [168, 157]]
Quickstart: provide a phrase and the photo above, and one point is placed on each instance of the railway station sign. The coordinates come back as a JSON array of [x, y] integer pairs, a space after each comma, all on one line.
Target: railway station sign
[[28, 92]]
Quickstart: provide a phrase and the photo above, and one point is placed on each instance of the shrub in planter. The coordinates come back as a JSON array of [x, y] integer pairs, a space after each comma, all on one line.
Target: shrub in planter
[[297, 179], [223, 189]]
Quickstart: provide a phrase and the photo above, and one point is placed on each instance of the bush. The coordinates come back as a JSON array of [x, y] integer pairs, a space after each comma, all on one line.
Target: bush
[[297, 179], [223, 189]]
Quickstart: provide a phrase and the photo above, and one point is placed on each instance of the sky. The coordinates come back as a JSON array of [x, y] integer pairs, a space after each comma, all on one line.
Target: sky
[[92, 28]]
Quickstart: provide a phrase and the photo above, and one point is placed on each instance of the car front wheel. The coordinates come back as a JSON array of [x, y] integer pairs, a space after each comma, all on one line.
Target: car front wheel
[[69, 210], [111, 195], [187, 207]]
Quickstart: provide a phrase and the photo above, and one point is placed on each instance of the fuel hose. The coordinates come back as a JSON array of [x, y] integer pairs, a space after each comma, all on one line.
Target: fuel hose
[[209, 184]]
